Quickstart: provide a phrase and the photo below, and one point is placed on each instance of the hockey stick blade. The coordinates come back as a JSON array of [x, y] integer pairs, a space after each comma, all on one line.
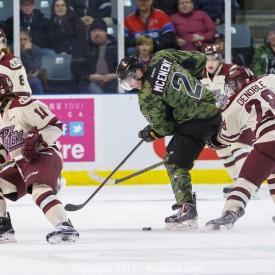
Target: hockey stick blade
[[75, 207]]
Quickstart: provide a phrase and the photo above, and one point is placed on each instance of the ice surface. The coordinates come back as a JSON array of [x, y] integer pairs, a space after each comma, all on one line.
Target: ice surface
[[112, 240]]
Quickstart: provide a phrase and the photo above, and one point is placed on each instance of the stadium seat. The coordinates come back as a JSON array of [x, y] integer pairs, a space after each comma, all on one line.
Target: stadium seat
[[59, 77], [44, 6], [58, 66], [6, 9], [242, 42]]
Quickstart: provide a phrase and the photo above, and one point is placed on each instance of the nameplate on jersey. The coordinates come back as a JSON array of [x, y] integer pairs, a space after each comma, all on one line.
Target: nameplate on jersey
[[250, 92], [158, 75]]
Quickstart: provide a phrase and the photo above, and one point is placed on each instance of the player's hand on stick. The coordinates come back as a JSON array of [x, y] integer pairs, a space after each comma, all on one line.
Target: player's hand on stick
[[148, 134], [31, 144]]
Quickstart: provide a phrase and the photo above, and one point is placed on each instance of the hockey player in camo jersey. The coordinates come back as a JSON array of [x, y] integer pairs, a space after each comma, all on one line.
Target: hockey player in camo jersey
[[28, 132], [175, 104]]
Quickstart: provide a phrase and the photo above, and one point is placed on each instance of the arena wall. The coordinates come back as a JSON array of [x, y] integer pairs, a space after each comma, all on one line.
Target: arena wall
[[100, 130]]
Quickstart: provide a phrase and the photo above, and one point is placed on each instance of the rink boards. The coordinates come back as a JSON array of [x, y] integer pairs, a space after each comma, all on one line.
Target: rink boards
[[100, 130]]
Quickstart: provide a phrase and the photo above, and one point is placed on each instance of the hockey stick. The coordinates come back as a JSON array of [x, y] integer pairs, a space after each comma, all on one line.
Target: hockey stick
[[75, 207], [116, 181], [139, 172]]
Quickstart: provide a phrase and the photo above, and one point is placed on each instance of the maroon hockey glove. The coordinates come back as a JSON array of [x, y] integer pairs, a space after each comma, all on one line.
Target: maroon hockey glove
[[31, 144], [148, 134]]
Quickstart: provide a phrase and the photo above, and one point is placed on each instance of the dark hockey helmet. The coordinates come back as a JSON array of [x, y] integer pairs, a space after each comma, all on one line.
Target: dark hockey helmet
[[236, 79], [6, 85], [128, 67]]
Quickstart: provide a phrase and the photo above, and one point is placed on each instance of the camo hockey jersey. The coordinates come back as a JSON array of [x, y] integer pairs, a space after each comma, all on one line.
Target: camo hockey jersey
[[20, 116], [172, 94], [253, 108], [12, 66]]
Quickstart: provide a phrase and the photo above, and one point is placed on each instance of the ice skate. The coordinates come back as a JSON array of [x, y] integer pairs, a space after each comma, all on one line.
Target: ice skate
[[185, 219], [6, 229], [64, 233], [226, 221]]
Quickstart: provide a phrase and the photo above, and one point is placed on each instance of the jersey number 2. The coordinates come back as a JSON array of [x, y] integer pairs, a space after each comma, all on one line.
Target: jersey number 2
[[180, 79]]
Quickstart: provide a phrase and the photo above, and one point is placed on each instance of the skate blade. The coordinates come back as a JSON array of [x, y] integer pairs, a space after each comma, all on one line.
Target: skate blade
[[184, 226], [7, 238], [221, 228], [63, 238]]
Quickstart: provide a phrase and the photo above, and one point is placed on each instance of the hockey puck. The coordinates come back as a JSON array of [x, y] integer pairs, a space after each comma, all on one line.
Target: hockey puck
[[146, 228]]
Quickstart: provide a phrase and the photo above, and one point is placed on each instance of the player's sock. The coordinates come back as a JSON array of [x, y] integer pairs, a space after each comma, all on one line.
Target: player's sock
[[3, 205], [240, 194]]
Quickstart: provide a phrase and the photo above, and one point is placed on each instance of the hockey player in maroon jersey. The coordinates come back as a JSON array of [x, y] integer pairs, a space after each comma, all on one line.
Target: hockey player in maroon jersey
[[250, 105], [12, 66], [28, 132], [214, 73]]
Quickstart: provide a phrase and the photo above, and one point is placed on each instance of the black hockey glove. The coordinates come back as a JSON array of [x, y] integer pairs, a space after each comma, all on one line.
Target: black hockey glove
[[213, 143], [148, 134]]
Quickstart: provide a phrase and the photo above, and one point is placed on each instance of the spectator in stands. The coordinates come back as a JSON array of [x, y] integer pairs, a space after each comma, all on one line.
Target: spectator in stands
[[263, 61], [155, 23], [66, 32], [236, 58], [31, 56], [31, 19], [215, 9], [193, 27], [168, 6], [145, 46], [88, 10], [96, 74]]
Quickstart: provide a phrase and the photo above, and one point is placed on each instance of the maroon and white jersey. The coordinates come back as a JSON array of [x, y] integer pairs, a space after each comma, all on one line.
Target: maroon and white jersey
[[12, 66], [253, 108], [216, 82], [20, 116]]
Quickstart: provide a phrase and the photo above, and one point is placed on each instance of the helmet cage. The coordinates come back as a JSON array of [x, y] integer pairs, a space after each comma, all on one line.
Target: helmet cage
[[236, 79], [127, 72]]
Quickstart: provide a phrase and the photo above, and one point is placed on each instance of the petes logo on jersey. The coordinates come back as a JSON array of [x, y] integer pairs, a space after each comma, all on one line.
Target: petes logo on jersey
[[77, 128], [15, 63], [11, 139], [24, 99]]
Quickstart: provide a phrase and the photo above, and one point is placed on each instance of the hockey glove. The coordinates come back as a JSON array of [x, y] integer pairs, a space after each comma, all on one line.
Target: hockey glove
[[213, 143], [148, 134], [31, 144]]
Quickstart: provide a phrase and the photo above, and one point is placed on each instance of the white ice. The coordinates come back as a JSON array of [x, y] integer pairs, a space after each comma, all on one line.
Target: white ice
[[112, 240]]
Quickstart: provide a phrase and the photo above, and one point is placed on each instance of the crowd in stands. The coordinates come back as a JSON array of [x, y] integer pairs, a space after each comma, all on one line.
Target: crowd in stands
[[79, 29]]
